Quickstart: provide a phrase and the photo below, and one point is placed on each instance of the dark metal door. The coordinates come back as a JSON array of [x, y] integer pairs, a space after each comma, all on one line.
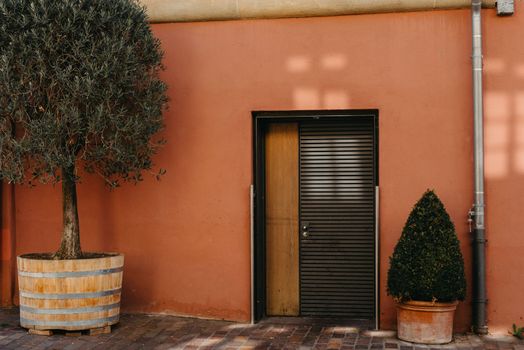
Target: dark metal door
[[337, 218]]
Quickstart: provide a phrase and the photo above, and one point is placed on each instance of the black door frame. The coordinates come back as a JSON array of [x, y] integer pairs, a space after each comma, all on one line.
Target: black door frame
[[260, 121]]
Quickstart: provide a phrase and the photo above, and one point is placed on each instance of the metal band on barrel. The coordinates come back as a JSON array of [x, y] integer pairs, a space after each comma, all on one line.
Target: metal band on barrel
[[78, 310], [70, 295], [70, 273], [83, 323]]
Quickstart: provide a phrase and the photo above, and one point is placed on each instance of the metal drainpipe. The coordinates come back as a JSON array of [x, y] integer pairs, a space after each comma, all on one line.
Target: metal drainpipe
[[477, 212]]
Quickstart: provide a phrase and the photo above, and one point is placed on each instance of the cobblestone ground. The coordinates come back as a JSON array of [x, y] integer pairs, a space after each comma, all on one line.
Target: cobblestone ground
[[169, 332]]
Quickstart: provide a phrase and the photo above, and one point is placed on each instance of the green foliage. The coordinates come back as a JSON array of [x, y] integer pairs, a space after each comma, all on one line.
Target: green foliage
[[517, 332], [79, 84], [427, 264]]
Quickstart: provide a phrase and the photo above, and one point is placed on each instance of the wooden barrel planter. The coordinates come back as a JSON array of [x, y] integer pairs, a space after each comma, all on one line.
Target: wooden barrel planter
[[70, 294]]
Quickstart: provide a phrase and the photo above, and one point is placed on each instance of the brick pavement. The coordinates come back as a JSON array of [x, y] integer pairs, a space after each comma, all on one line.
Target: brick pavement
[[170, 332]]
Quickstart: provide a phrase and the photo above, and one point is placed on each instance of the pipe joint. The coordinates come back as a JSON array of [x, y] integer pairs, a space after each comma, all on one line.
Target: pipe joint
[[479, 301], [476, 211], [481, 330]]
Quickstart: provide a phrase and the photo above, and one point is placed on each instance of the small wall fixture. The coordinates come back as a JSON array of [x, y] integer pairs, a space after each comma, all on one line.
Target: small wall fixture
[[505, 7]]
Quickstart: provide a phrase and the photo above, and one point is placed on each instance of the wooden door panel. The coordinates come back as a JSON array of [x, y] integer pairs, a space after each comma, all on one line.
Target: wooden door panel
[[282, 243]]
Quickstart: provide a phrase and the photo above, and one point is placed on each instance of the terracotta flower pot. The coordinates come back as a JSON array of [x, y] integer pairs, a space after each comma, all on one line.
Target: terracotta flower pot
[[425, 322]]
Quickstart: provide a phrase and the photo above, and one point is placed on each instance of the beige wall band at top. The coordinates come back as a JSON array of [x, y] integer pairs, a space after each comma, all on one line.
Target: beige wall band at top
[[217, 10]]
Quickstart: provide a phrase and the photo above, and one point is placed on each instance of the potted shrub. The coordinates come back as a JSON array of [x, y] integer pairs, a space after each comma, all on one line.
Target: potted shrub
[[426, 274], [79, 93]]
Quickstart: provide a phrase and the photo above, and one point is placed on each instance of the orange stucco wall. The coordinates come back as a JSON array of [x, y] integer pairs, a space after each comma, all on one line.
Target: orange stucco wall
[[504, 118], [186, 238]]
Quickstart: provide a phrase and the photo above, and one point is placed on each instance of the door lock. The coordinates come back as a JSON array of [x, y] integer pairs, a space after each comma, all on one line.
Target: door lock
[[305, 229]]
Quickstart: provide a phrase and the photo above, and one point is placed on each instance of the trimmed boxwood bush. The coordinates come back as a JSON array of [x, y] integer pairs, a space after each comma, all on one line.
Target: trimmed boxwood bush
[[427, 264]]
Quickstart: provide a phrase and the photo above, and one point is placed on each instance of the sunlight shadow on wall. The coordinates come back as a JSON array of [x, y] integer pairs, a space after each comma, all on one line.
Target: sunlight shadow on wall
[[311, 98], [519, 71], [306, 98], [298, 64], [317, 97], [494, 65], [497, 112], [518, 133], [333, 62]]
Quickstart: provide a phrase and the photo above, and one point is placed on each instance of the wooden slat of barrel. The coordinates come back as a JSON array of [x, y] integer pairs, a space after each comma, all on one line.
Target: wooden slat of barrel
[[70, 294], [43, 265], [69, 303], [71, 284]]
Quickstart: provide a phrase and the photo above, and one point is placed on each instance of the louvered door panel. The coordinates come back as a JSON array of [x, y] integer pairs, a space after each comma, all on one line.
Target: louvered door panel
[[337, 258]]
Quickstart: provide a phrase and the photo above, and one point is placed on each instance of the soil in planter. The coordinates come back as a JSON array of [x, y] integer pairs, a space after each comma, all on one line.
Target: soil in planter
[[50, 256]]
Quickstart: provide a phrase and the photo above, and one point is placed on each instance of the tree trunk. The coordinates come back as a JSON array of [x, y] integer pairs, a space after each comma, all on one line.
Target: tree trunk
[[70, 245]]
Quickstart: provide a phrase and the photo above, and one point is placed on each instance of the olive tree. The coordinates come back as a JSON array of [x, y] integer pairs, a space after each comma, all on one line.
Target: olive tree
[[79, 93]]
